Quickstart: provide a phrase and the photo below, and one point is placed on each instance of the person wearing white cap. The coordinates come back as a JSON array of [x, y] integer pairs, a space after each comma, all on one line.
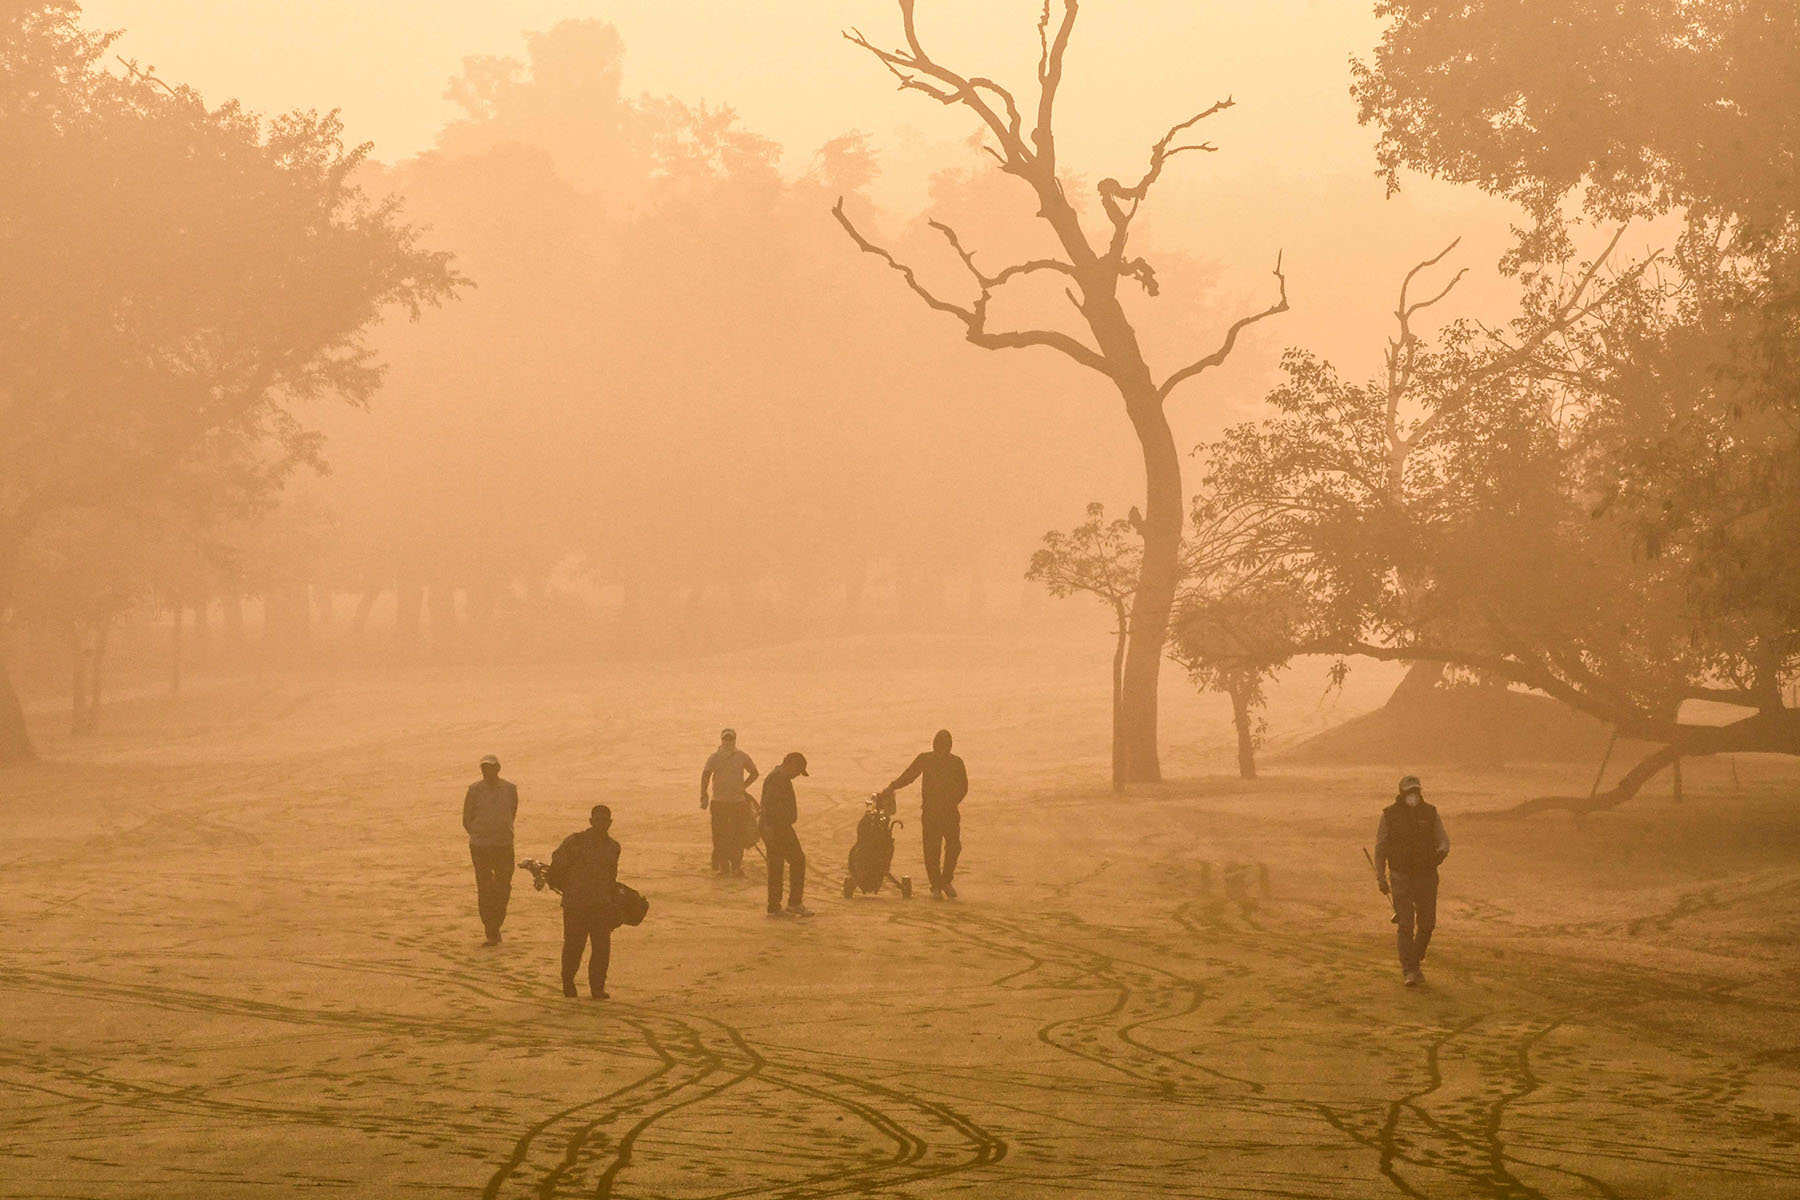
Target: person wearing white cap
[[489, 807], [728, 773], [1409, 845]]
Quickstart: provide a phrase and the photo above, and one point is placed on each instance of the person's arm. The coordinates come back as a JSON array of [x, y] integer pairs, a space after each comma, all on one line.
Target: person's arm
[[1381, 855], [960, 788], [1443, 839], [751, 774], [911, 773], [706, 775], [513, 799], [468, 810]]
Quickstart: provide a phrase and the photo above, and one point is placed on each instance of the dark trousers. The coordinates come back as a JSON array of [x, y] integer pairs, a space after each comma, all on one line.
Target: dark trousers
[[729, 818], [782, 845], [581, 926], [1415, 915], [943, 836], [493, 884]]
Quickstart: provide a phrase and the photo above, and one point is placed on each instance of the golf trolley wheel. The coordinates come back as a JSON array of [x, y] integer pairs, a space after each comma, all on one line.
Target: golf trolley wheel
[[849, 887], [906, 887]]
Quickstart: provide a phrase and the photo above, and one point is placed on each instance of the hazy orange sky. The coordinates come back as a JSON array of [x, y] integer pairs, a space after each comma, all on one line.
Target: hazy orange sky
[[1136, 66], [1295, 172]]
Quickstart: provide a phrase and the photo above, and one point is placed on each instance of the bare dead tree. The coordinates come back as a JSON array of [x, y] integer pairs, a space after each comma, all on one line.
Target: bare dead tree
[[1094, 267]]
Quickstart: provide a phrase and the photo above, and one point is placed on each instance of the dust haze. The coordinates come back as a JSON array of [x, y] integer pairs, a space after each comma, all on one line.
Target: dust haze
[[1160, 600]]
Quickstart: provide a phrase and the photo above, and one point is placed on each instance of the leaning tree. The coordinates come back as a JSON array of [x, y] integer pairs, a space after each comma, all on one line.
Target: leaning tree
[[1094, 268], [1647, 457]]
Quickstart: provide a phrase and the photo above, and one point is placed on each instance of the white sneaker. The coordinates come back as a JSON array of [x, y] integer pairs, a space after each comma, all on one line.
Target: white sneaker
[[799, 910]]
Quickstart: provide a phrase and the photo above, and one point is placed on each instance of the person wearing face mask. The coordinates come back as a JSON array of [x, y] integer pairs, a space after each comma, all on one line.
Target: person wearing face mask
[[1409, 845]]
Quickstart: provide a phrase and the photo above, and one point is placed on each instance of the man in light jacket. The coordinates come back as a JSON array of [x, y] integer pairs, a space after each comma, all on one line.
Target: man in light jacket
[[489, 807]]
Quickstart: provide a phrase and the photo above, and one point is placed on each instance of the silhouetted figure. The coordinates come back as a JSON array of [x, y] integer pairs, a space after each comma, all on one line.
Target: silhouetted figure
[[779, 812], [1409, 845], [586, 869], [945, 783], [489, 807], [729, 773]]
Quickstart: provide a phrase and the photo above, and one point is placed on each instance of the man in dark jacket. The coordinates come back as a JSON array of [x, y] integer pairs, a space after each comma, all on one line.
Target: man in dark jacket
[[489, 807], [945, 783], [779, 812], [1409, 845], [585, 868]]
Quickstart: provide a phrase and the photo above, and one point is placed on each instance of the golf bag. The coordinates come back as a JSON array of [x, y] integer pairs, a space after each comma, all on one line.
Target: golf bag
[[873, 854], [630, 906]]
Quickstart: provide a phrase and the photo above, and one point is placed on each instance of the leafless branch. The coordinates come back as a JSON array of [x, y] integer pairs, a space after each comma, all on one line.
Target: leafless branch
[[1231, 336], [1569, 310], [990, 282], [1050, 71], [1121, 202], [974, 317]]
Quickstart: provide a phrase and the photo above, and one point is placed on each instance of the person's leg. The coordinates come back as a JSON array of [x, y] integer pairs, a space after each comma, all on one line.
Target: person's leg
[[773, 850], [493, 873], [796, 871], [737, 836], [951, 828], [483, 889], [601, 959], [502, 864], [1425, 906], [934, 843], [721, 835], [575, 937], [1404, 915]]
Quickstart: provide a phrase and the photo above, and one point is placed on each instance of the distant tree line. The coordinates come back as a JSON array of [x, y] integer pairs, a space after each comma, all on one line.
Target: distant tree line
[[184, 284]]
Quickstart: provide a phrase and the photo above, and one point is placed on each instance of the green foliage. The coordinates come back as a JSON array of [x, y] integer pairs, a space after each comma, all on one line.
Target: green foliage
[[1643, 107], [1098, 557], [1602, 499], [181, 279]]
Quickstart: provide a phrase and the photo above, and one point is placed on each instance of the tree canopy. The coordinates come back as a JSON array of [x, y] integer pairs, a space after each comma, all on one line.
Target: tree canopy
[[182, 282], [1600, 499]]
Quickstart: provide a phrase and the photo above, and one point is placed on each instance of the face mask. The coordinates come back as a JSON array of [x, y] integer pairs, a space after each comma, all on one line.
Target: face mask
[[1413, 798]]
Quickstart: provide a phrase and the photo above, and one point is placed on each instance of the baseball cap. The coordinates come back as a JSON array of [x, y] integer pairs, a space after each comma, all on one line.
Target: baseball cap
[[1410, 783], [797, 761], [727, 735], [489, 760]]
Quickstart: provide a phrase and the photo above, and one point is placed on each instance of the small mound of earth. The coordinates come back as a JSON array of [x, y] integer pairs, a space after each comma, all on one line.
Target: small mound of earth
[[1484, 726]]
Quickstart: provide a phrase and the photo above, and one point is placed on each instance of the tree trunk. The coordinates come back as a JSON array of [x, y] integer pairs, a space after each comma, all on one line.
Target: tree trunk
[[175, 650], [15, 738], [1775, 731], [78, 676], [1246, 736], [1420, 679], [409, 602], [359, 621], [1118, 698], [101, 633], [231, 613], [1162, 524], [856, 582]]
